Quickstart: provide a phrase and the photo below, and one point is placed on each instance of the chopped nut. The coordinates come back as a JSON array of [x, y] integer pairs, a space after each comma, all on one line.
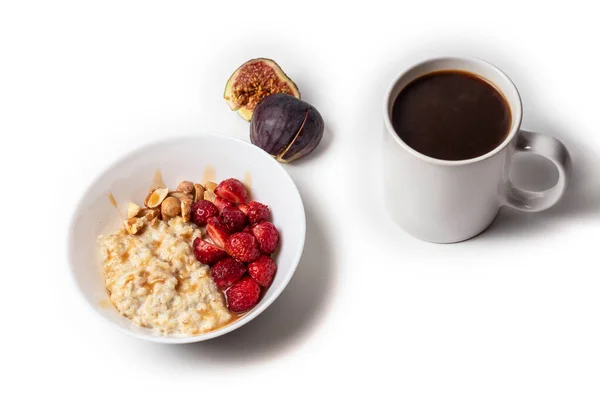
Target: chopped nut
[[133, 225], [170, 207], [211, 186], [156, 197], [210, 196], [181, 195], [198, 192], [133, 210], [186, 209], [154, 223], [186, 187], [149, 213], [153, 188]]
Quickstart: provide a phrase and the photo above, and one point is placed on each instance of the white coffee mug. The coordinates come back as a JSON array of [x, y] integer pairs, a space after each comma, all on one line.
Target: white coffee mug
[[449, 201]]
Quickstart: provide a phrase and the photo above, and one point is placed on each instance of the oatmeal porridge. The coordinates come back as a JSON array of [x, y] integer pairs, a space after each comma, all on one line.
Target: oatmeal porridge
[[154, 279]]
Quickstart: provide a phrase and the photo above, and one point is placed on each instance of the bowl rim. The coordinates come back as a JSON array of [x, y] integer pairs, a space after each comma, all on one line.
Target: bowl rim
[[171, 339]]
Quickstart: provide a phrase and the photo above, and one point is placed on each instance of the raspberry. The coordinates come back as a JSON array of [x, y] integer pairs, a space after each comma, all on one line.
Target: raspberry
[[242, 246], [207, 253], [262, 270], [202, 210], [232, 190], [243, 295], [267, 237], [226, 271], [234, 219]]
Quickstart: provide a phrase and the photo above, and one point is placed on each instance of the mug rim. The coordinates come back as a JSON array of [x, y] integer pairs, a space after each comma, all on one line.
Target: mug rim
[[516, 109]]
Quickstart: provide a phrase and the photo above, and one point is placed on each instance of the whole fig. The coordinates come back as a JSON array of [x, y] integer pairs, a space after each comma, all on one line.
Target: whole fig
[[286, 127]]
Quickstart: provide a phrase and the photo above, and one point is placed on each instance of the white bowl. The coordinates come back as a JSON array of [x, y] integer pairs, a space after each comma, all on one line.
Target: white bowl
[[183, 158]]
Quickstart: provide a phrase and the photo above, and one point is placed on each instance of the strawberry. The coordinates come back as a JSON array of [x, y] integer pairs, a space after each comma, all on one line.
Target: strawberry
[[202, 210], [243, 295], [226, 271], [232, 190], [234, 219], [221, 203], [207, 253], [256, 212], [217, 231], [262, 270], [267, 237], [244, 208], [242, 246]]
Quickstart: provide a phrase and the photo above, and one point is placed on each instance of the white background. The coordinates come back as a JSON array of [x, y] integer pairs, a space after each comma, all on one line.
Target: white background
[[513, 313]]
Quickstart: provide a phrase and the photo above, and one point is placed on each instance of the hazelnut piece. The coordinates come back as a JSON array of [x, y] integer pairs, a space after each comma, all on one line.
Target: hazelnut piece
[[133, 225], [186, 209], [170, 207], [198, 192], [156, 197], [181, 195], [149, 213], [186, 187], [210, 196], [133, 210], [210, 186]]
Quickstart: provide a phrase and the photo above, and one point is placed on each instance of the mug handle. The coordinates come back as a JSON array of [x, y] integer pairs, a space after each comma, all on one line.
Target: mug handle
[[552, 149]]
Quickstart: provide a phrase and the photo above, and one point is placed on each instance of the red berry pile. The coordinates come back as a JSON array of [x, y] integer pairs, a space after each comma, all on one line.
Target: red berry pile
[[241, 241]]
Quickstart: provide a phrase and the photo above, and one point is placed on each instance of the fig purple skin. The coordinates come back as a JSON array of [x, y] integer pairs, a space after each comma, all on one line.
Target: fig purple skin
[[286, 127]]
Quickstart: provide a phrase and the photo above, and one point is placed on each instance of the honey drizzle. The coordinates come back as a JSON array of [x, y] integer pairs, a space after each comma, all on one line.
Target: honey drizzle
[[234, 317], [105, 303], [248, 182], [209, 174], [157, 180], [113, 201]]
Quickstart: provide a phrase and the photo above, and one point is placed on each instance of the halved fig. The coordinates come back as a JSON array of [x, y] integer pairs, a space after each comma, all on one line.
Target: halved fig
[[253, 81]]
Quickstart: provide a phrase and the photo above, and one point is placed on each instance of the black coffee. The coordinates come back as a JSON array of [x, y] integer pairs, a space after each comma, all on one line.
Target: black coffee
[[451, 115]]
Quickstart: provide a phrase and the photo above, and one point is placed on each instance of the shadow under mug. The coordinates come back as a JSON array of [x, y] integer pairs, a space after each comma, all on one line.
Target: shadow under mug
[[446, 201]]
